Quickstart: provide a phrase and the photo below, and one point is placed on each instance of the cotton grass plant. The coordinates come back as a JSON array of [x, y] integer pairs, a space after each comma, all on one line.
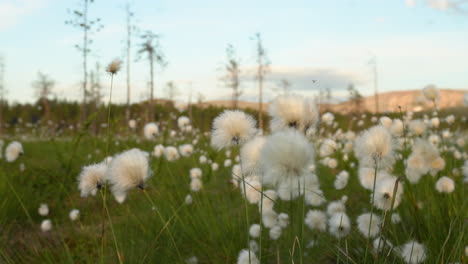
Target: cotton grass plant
[[333, 191]]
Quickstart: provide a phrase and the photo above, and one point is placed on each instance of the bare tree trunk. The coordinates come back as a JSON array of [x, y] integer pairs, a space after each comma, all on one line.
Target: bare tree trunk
[[45, 102], [260, 98], [1, 115], [376, 88], [151, 87], [129, 34], [85, 60]]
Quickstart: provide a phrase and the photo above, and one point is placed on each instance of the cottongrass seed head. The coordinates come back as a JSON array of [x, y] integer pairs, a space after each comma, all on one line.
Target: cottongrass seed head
[[445, 185], [247, 256], [43, 210], [128, 170], [368, 227], [232, 128], [13, 151], [150, 130], [250, 155], [339, 225], [91, 179], [375, 145], [413, 252], [384, 190], [74, 214], [285, 159], [46, 225], [292, 111]]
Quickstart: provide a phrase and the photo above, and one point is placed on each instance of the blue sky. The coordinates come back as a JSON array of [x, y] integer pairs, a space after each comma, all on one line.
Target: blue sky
[[415, 42]]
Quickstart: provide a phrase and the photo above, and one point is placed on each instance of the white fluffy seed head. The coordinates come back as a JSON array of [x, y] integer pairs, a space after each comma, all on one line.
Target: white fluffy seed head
[[369, 227], [186, 150], [250, 155], [171, 153], [275, 232], [269, 218], [232, 128], [188, 199], [384, 193], [292, 111], [129, 169], [195, 173], [417, 127], [182, 122], [244, 257], [43, 210], [375, 144], [91, 179], [46, 225], [254, 230], [316, 220], [283, 220], [151, 130], [445, 185], [74, 214], [285, 159], [413, 252], [339, 225], [158, 150], [431, 92], [13, 151], [341, 180], [196, 185], [253, 188]]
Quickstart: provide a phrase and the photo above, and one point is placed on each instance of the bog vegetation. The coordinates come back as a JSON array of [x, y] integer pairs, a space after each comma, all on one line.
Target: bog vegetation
[[314, 187]]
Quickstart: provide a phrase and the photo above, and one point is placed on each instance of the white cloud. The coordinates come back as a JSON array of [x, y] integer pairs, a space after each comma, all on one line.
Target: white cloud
[[11, 11], [410, 3]]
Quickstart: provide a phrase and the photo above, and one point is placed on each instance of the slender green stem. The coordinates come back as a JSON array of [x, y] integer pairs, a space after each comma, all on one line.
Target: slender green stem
[[372, 208], [246, 208], [119, 256], [164, 222]]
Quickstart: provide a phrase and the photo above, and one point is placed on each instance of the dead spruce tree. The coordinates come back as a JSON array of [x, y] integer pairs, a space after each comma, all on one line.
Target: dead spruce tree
[[263, 67], [43, 86], [150, 48], [231, 77], [80, 19], [2, 91]]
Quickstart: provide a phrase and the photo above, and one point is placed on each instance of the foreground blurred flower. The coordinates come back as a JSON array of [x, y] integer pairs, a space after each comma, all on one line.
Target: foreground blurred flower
[[128, 170], [13, 151], [250, 155], [232, 128], [91, 179], [285, 160]]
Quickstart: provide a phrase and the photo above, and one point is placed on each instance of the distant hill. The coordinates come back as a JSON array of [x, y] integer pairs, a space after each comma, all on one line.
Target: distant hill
[[388, 102]]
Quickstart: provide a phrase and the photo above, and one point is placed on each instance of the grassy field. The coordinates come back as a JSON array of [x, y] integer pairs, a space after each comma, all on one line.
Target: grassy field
[[157, 226]]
